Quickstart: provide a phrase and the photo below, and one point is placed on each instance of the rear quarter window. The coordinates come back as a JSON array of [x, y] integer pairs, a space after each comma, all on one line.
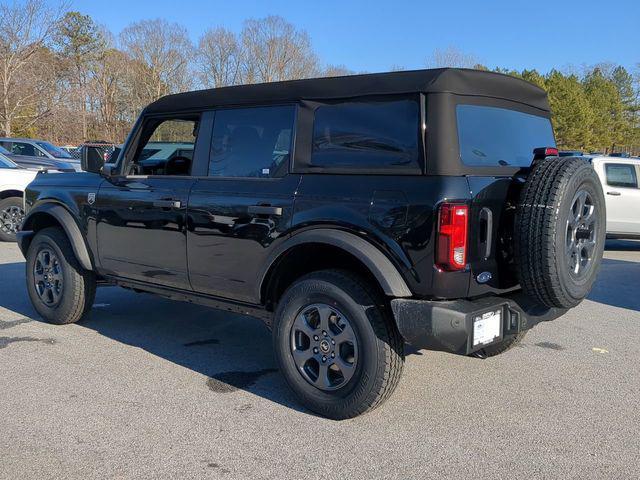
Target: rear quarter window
[[492, 137], [367, 135]]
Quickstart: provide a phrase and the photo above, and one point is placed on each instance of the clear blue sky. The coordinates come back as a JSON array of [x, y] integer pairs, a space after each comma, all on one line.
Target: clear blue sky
[[375, 35]]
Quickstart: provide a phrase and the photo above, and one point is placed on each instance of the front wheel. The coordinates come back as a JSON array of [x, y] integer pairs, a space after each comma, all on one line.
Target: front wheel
[[60, 290], [11, 216], [336, 344]]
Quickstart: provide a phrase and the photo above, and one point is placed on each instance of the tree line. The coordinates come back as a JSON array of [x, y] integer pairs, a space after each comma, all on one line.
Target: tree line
[[66, 78]]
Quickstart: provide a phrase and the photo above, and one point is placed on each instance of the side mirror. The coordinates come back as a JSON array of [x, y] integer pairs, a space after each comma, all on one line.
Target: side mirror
[[92, 158], [108, 170]]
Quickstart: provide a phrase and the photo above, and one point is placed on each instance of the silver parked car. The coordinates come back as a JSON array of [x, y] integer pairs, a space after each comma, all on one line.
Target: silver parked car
[[39, 163], [39, 150]]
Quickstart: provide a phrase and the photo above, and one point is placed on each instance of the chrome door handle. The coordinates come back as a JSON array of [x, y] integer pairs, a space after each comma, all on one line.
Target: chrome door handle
[[167, 203], [264, 210], [615, 194]]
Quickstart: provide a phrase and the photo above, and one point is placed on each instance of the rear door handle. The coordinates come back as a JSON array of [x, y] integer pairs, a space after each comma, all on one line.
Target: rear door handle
[[167, 203], [615, 194], [265, 210]]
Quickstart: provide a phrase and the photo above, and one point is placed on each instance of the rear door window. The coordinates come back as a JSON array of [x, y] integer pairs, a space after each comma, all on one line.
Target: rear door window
[[621, 175], [367, 135], [493, 137], [252, 142]]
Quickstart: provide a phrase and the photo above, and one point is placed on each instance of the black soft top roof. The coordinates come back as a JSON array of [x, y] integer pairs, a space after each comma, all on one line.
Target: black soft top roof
[[441, 80]]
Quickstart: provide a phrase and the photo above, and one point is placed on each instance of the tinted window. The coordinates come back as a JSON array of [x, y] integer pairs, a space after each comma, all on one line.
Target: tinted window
[[251, 142], [367, 135], [169, 150], [491, 137], [3, 150], [25, 149], [54, 151], [621, 175]]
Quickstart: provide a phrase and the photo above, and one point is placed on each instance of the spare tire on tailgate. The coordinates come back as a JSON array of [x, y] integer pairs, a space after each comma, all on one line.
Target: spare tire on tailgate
[[560, 230]]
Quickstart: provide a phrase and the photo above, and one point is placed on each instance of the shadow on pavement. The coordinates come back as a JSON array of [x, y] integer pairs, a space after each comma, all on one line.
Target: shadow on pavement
[[13, 294], [234, 352], [618, 284]]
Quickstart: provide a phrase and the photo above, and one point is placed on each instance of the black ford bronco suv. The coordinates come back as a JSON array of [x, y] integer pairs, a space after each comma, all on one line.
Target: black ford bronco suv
[[353, 215]]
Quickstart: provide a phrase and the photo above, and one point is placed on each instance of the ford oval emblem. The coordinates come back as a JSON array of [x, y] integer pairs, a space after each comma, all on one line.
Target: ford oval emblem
[[484, 277]]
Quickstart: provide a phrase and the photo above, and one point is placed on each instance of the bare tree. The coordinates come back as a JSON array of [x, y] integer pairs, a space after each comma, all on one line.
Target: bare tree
[[451, 57], [161, 52], [275, 50], [25, 29], [111, 94], [336, 71], [219, 58]]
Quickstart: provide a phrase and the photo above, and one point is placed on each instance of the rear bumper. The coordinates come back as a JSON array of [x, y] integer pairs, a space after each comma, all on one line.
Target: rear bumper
[[448, 325]]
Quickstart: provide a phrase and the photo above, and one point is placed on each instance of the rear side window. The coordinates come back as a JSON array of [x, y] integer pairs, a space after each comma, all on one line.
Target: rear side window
[[26, 149], [251, 142], [492, 137], [367, 135], [621, 175]]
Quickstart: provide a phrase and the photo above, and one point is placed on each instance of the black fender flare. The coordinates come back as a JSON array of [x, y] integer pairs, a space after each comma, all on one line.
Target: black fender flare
[[69, 225], [377, 262]]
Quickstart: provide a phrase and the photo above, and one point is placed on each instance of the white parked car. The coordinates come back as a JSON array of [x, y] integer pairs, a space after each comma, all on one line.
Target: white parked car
[[619, 177], [13, 181]]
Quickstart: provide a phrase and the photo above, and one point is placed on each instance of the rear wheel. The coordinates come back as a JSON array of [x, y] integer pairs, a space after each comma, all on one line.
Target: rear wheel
[[59, 288], [11, 216], [336, 344]]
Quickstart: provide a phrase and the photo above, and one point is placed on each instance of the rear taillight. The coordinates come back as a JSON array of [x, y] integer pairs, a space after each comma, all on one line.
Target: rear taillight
[[544, 152], [451, 249]]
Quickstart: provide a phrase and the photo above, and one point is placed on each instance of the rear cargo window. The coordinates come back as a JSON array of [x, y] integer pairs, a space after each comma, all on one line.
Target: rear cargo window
[[367, 135], [491, 137]]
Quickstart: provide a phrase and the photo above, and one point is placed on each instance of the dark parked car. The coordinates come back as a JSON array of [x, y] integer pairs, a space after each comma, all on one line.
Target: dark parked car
[[351, 214]]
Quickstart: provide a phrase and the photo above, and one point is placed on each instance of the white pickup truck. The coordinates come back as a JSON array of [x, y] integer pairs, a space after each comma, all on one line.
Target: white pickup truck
[[13, 181], [619, 178]]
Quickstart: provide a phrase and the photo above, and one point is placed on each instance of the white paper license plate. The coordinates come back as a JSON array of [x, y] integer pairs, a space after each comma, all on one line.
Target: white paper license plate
[[487, 327]]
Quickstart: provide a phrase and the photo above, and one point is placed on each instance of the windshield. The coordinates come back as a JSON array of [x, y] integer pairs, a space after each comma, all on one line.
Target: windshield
[[491, 137], [55, 151], [4, 151]]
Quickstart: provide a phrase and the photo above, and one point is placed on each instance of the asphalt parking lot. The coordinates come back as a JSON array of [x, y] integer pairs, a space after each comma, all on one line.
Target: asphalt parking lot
[[150, 388]]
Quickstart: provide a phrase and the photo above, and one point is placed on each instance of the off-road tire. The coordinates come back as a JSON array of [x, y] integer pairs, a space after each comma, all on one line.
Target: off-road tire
[[381, 357], [541, 228], [10, 202], [79, 285]]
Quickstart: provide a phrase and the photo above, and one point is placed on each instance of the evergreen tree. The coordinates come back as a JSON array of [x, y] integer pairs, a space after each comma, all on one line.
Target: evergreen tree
[[572, 114], [608, 110]]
